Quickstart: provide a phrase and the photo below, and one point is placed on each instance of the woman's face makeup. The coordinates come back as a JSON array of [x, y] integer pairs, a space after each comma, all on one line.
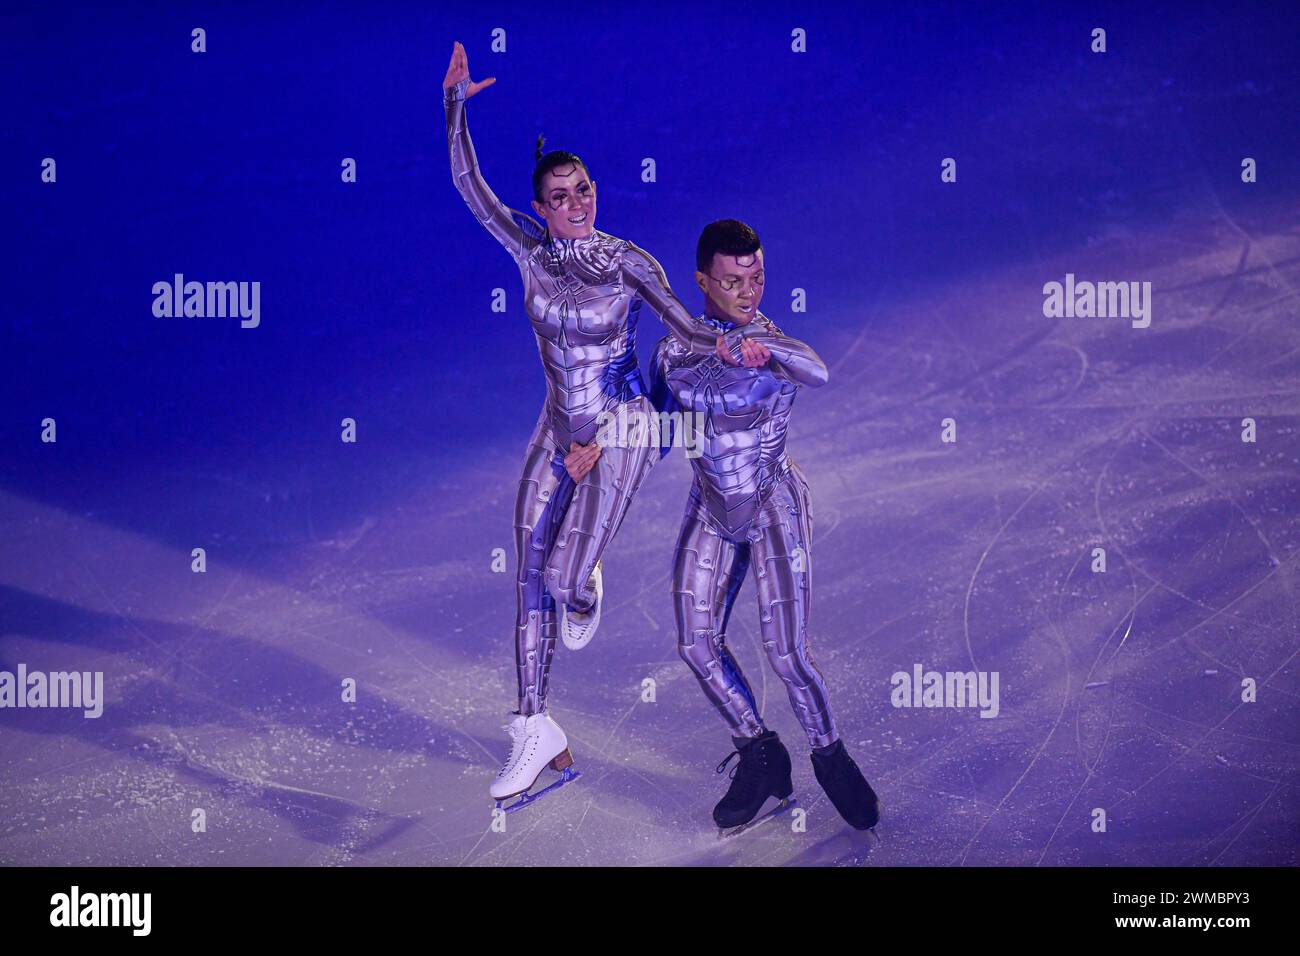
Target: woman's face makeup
[[568, 202]]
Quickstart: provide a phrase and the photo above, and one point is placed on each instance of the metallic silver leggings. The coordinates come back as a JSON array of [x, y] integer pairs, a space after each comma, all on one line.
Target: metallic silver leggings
[[561, 531], [707, 573]]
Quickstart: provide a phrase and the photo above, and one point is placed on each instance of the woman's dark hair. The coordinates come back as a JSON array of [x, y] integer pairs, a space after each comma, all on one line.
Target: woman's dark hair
[[549, 161], [731, 237]]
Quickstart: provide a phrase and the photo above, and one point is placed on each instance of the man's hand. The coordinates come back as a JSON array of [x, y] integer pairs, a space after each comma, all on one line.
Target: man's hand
[[458, 70], [724, 353], [581, 459], [752, 354]]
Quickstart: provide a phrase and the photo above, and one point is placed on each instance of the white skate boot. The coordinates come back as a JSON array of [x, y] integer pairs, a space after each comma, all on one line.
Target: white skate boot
[[578, 628], [537, 741]]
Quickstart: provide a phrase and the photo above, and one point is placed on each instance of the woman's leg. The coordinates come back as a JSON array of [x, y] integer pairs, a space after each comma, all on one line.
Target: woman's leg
[[781, 549], [542, 494], [707, 573], [599, 504]]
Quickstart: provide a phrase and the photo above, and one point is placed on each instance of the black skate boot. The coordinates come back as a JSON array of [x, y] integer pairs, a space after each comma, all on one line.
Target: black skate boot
[[847, 788], [763, 771]]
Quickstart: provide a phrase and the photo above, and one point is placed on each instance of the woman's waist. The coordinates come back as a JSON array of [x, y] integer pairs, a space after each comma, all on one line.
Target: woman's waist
[[579, 380], [582, 416]]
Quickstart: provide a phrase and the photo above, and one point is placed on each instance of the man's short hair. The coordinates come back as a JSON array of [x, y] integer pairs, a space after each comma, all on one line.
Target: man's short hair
[[731, 237]]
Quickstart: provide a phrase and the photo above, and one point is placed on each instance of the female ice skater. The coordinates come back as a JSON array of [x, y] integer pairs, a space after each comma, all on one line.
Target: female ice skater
[[583, 290], [748, 505]]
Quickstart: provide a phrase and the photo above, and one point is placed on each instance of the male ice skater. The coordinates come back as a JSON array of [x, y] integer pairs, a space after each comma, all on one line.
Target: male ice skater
[[749, 505]]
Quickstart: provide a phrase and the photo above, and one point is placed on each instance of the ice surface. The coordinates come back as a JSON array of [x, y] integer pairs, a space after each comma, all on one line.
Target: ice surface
[[1118, 690]]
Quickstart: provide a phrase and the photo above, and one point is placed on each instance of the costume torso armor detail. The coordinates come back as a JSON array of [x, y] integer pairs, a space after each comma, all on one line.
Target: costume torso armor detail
[[745, 412]]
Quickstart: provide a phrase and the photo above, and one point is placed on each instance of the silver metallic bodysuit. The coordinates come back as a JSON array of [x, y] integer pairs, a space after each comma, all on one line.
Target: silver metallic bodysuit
[[582, 297], [748, 504]]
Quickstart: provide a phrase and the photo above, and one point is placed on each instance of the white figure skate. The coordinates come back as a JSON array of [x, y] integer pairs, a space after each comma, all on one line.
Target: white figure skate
[[578, 628], [537, 742]]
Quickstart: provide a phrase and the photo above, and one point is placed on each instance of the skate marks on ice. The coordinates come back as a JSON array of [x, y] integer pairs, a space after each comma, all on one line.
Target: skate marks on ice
[[1126, 685], [223, 697], [1210, 601]]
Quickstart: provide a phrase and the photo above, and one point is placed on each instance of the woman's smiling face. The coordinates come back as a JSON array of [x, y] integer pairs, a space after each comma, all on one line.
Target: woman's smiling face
[[568, 202]]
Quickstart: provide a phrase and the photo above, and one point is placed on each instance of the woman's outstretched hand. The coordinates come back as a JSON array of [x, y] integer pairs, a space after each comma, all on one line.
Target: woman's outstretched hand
[[458, 70]]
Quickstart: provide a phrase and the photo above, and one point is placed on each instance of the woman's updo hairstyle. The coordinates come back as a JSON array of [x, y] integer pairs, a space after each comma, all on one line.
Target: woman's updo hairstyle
[[549, 161]]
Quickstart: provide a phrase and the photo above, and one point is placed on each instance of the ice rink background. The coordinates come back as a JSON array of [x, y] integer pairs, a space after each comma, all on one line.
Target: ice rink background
[[372, 561]]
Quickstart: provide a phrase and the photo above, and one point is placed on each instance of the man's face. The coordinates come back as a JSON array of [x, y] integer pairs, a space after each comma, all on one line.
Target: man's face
[[733, 286], [569, 203]]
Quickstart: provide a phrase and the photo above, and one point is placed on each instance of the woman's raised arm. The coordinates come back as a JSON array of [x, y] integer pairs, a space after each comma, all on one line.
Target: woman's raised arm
[[645, 276], [518, 232]]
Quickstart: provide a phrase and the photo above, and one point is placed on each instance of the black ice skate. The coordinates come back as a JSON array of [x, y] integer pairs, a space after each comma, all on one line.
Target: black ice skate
[[763, 773], [847, 788]]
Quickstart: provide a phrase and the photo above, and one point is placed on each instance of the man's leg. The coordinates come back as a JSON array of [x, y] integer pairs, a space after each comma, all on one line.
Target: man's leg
[[781, 548], [707, 573]]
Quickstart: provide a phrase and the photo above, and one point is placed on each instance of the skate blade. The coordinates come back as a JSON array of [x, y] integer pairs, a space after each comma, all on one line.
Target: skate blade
[[764, 814], [876, 828], [568, 774]]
